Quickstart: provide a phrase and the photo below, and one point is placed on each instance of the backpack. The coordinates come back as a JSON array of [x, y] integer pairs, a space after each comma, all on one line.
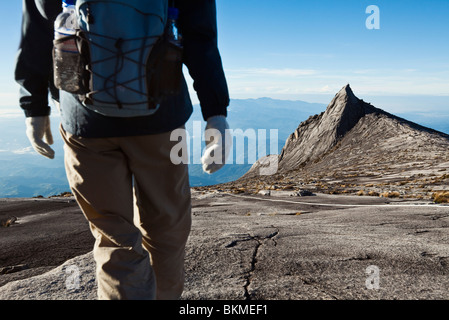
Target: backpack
[[129, 65]]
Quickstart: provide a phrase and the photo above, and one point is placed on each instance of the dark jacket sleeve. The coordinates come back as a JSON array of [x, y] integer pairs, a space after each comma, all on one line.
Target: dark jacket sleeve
[[34, 71], [198, 25]]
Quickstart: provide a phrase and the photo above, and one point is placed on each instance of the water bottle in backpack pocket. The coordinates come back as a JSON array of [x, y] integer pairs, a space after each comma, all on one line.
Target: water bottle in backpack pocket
[[67, 62]]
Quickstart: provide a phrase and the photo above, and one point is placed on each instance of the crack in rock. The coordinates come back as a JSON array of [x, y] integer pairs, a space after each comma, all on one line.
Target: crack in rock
[[248, 275], [360, 257], [13, 269], [259, 241], [311, 282]]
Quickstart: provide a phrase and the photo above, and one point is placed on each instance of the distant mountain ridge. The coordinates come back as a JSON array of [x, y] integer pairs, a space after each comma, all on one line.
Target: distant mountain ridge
[[337, 141], [23, 173]]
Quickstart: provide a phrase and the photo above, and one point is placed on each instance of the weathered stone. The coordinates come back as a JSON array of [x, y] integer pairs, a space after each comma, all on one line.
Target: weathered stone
[[329, 252]]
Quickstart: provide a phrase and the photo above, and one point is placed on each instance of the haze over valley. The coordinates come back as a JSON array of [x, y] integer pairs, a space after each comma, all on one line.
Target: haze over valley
[[23, 173]]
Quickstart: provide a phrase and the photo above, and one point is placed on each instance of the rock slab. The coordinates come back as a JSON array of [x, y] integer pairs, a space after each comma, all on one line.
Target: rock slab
[[253, 247]]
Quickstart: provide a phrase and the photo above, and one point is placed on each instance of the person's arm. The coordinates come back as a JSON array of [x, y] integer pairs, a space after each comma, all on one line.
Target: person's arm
[[198, 24], [34, 70]]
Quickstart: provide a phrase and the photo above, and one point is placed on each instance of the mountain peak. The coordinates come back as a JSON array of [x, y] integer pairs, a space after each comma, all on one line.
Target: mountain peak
[[344, 111], [347, 94], [346, 90], [357, 146], [346, 116], [321, 133], [345, 98]]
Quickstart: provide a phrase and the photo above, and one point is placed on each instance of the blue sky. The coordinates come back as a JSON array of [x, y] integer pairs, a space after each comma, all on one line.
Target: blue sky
[[296, 47], [308, 50]]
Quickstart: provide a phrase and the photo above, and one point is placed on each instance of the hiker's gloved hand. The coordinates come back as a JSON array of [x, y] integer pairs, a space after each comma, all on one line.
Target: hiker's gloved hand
[[218, 144], [39, 133]]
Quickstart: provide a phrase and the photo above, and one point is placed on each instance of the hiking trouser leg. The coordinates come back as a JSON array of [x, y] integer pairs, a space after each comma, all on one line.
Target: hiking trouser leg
[[101, 181], [163, 207]]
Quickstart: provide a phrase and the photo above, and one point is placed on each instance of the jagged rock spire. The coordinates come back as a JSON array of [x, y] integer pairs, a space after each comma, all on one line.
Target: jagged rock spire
[[321, 133], [344, 111], [354, 135]]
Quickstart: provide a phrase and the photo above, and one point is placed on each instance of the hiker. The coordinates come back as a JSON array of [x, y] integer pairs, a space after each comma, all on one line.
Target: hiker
[[137, 202]]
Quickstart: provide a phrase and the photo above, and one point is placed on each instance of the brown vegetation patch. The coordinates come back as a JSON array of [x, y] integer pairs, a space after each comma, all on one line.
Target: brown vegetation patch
[[441, 197]]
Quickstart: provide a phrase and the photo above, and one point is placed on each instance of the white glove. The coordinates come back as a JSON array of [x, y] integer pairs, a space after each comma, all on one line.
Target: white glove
[[38, 130], [218, 144]]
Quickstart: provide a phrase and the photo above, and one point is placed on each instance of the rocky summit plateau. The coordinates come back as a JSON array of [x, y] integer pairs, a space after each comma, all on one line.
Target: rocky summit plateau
[[355, 148], [357, 210]]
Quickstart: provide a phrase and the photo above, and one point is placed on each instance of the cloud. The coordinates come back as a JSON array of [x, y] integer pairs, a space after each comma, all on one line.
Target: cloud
[[274, 81], [326, 89], [285, 72], [8, 99], [25, 150], [8, 112], [301, 55]]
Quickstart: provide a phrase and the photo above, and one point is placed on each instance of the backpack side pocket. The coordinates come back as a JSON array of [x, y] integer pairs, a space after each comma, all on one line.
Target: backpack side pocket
[[68, 64], [164, 71]]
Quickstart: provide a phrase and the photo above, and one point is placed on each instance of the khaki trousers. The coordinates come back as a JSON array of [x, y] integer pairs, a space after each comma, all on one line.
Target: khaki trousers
[[138, 206]]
